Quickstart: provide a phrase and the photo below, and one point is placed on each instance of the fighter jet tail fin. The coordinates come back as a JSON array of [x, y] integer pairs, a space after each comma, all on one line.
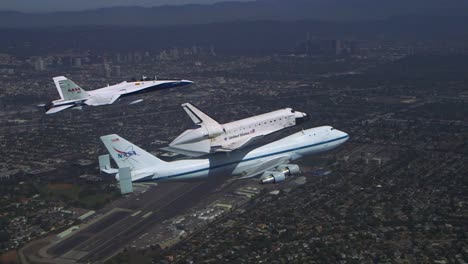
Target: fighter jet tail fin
[[69, 90], [126, 154]]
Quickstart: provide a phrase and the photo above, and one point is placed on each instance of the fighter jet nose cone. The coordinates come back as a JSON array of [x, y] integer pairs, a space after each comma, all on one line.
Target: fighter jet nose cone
[[48, 106], [186, 82]]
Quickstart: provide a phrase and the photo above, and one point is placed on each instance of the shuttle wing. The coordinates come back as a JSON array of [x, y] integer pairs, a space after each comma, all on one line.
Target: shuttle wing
[[264, 166], [196, 149], [238, 144], [197, 116]]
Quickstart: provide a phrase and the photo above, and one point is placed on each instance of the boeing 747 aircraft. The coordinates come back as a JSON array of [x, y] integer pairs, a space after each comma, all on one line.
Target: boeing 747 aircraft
[[72, 95], [272, 162]]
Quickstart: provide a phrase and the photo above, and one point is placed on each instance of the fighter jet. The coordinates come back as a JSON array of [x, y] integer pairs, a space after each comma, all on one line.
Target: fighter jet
[[272, 162], [73, 96], [211, 137]]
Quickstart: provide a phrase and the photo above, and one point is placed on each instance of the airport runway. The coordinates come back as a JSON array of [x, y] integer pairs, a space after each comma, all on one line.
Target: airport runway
[[108, 235]]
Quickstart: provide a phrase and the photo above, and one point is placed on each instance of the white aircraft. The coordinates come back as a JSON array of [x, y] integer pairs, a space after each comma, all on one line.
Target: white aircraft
[[211, 136], [271, 161], [72, 95]]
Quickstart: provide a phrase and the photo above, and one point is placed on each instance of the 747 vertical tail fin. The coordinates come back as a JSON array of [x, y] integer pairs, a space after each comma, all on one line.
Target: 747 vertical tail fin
[[126, 154]]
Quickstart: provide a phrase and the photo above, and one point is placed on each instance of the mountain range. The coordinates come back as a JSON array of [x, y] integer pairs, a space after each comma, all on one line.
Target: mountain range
[[278, 10]]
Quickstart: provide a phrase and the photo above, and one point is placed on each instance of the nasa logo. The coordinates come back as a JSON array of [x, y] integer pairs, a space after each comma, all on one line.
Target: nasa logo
[[126, 154]]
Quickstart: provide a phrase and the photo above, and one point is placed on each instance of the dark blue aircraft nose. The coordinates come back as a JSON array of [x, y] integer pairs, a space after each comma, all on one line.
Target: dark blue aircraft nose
[[48, 106]]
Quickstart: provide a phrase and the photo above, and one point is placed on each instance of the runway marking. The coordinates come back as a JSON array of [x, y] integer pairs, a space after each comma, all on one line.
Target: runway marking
[[106, 244], [148, 214], [136, 213]]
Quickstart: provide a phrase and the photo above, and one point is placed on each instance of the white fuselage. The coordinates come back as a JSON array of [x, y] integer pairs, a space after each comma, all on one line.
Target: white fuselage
[[129, 87], [293, 147], [214, 137], [104, 95], [259, 125]]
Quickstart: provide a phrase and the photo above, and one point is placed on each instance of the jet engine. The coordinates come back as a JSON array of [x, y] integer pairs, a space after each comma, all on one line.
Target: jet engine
[[289, 169], [272, 177], [280, 174]]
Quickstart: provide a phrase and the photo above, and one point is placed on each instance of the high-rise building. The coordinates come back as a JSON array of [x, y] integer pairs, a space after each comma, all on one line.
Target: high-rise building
[[116, 71], [118, 58], [106, 70], [174, 53], [39, 64], [194, 50], [77, 62], [338, 47], [137, 56], [212, 51], [163, 55]]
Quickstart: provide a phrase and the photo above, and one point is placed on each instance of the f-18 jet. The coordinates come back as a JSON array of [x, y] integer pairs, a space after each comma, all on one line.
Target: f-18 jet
[[73, 96], [272, 162]]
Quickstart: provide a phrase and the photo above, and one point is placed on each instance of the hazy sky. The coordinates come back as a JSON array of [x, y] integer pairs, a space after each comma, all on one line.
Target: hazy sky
[[71, 5]]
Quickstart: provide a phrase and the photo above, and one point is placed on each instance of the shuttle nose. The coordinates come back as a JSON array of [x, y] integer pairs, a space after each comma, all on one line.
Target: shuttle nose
[[301, 117]]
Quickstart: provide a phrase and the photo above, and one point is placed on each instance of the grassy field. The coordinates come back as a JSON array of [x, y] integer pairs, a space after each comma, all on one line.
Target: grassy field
[[88, 196]]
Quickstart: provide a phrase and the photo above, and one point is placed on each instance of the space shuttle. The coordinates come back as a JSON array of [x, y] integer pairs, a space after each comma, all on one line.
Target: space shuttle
[[212, 137], [73, 96]]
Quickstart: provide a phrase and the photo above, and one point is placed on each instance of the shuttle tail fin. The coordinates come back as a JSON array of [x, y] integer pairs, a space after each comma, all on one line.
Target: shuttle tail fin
[[197, 116], [126, 154], [69, 90]]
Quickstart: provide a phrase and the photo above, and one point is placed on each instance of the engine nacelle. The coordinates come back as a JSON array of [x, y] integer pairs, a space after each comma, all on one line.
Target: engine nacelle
[[280, 173], [289, 169], [272, 177], [198, 134], [214, 130]]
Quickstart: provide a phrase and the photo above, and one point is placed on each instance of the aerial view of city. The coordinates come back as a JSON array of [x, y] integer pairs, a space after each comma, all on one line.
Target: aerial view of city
[[266, 131]]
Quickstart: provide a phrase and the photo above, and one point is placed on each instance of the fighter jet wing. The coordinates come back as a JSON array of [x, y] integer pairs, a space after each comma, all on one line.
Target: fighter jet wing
[[264, 166], [102, 99], [56, 109]]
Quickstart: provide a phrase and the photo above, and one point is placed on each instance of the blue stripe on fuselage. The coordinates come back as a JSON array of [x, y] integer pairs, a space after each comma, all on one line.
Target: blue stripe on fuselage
[[239, 161]]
